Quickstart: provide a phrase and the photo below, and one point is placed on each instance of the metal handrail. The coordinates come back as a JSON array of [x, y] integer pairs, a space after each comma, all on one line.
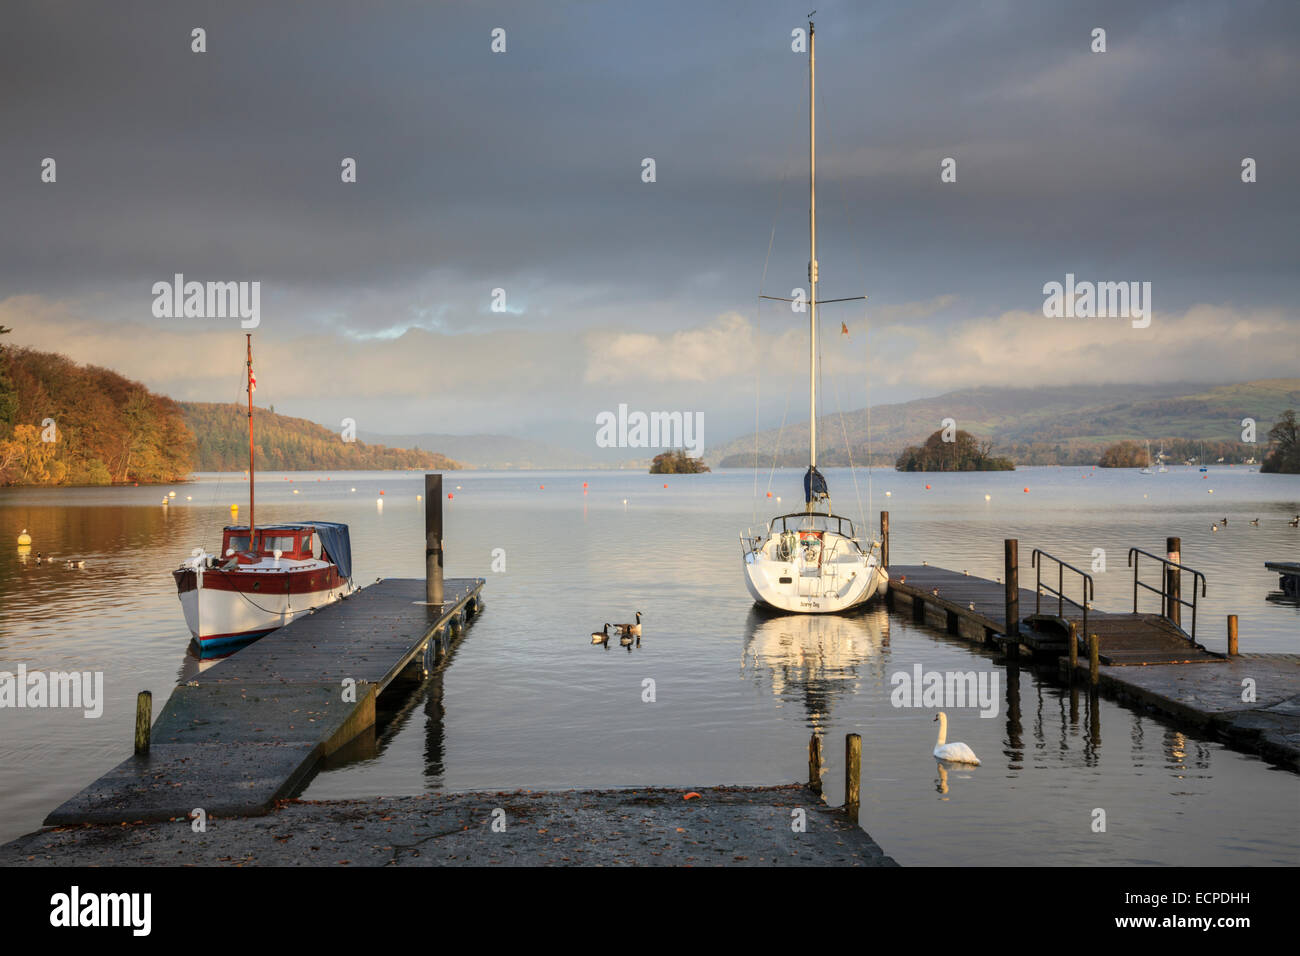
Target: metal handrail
[[1166, 599], [1059, 590]]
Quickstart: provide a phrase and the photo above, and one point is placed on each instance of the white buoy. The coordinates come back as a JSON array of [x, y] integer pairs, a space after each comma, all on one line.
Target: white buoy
[[354, 489], [988, 497], [24, 538], [295, 491], [171, 494], [889, 494], [379, 503]]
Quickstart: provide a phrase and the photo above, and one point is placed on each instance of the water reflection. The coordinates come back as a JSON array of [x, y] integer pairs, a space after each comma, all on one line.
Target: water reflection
[[816, 659]]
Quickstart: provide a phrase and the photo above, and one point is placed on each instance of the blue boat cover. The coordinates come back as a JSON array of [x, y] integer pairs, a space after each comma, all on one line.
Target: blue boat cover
[[814, 486], [334, 539], [337, 543]]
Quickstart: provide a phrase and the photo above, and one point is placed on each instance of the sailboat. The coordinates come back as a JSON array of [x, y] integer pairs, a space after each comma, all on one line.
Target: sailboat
[[1161, 458], [1146, 469], [811, 561], [263, 577]]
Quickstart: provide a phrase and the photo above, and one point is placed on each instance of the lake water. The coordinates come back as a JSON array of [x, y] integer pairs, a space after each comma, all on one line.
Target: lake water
[[528, 702]]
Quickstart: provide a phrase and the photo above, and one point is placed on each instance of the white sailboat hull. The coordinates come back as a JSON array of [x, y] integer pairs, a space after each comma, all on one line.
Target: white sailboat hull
[[794, 588]]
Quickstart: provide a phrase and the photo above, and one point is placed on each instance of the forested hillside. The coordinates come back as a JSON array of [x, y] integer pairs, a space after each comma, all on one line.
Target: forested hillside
[[70, 424], [289, 444]]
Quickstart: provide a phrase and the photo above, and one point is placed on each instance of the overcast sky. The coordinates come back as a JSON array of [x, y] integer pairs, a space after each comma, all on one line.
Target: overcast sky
[[522, 171]]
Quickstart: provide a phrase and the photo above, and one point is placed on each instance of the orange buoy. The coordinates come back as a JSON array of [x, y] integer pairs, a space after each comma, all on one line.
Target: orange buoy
[[450, 495], [691, 796], [1026, 491], [584, 484], [769, 494], [927, 487], [541, 487], [381, 491], [665, 484]]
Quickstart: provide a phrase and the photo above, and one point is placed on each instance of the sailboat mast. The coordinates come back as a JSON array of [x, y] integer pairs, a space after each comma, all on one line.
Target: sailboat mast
[[249, 384], [812, 252]]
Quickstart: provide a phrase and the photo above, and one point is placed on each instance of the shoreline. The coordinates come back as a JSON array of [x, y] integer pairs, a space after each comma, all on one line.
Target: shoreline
[[732, 826]]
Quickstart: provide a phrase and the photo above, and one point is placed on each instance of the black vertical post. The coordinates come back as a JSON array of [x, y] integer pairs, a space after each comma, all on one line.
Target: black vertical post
[[1173, 582], [884, 540], [433, 539], [1011, 561]]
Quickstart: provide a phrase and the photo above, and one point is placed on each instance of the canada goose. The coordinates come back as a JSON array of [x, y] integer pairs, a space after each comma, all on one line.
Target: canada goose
[[631, 630], [72, 565], [625, 640], [1223, 521], [1295, 522], [601, 636], [1214, 527], [40, 558]]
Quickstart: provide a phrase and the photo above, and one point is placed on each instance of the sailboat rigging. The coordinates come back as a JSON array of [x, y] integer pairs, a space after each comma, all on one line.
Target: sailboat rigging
[[811, 562]]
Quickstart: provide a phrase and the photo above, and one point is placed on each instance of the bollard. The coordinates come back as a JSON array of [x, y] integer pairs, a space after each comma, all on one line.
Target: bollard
[[815, 764], [1074, 648], [1011, 567], [884, 540], [1094, 659], [143, 721], [433, 539], [852, 772], [1232, 635], [1173, 582]]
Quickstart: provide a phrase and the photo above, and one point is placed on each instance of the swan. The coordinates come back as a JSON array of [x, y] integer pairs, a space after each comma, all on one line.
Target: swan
[[956, 753], [601, 636]]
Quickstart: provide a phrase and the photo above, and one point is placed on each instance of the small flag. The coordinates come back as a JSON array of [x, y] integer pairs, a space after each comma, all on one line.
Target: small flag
[[252, 380], [844, 329]]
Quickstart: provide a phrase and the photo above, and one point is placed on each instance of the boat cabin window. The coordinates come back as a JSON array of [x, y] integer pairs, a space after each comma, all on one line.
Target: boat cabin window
[[277, 542], [291, 544]]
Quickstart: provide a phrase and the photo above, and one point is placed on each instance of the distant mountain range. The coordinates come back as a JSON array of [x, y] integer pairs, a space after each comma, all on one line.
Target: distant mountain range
[[491, 451], [1064, 425]]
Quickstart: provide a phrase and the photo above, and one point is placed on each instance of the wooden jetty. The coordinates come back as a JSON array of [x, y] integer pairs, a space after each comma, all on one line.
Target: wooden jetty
[[1041, 620], [248, 731], [1288, 576], [1147, 657]]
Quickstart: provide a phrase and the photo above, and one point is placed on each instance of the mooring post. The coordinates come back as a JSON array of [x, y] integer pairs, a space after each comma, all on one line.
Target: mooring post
[[433, 539], [852, 772], [143, 721], [1074, 648], [1173, 582], [1232, 635], [815, 764], [1011, 569], [884, 540], [1094, 659]]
